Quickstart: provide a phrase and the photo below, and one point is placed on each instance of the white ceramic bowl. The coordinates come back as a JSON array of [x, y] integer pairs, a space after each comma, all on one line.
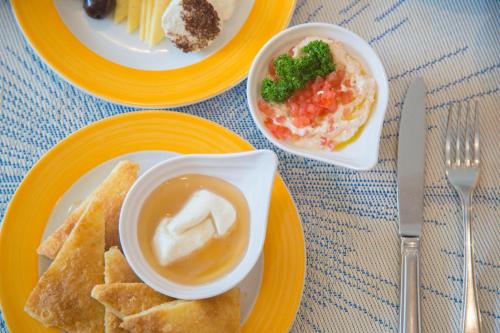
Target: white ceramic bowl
[[252, 172], [362, 154]]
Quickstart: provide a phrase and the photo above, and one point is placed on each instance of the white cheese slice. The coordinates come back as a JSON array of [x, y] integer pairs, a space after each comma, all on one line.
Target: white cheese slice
[[142, 21], [134, 15], [156, 33], [149, 13], [121, 10]]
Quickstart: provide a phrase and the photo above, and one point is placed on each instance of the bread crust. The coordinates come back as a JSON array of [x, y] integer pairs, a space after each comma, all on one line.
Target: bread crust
[[220, 314], [61, 297], [124, 299], [110, 193], [116, 269]]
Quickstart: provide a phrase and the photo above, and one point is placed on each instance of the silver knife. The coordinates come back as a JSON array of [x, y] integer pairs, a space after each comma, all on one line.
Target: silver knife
[[411, 164]]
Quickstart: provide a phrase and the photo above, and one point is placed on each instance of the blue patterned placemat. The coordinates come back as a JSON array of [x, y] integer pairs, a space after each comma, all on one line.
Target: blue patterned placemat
[[349, 218]]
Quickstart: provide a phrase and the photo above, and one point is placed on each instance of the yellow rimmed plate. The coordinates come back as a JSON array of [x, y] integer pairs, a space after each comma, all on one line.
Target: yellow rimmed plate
[[58, 45], [50, 178]]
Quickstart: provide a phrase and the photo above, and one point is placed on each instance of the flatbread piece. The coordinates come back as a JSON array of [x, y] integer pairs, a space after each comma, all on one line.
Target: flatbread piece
[[61, 297], [220, 314], [110, 193], [116, 270], [124, 299]]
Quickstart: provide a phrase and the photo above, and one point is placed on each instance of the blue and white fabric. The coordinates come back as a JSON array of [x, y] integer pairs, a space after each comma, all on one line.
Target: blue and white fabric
[[350, 218]]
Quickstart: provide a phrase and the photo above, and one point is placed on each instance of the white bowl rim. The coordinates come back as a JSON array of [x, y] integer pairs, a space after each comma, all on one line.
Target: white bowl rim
[[212, 288], [384, 99]]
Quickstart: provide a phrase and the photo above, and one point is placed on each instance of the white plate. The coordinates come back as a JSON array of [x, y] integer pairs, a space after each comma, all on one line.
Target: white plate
[[113, 42], [249, 287]]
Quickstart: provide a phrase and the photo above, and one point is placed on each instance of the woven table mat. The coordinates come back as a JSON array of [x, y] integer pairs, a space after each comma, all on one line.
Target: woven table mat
[[349, 218]]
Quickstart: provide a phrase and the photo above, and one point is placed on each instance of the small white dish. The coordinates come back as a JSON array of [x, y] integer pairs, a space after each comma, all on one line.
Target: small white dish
[[362, 154], [252, 172]]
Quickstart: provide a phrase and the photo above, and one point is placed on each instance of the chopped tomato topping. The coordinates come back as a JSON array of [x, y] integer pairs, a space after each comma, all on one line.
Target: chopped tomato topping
[[335, 78], [266, 108], [318, 84], [332, 107], [280, 119], [306, 106], [325, 142], [279, 132], [294, 109], [347, 112], [301, 121], [345, 97]]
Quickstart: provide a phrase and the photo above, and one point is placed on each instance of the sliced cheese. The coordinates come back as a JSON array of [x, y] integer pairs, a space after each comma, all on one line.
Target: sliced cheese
[[134, 14], [121, 10], [156, 33], [149, 13], [142, 25]]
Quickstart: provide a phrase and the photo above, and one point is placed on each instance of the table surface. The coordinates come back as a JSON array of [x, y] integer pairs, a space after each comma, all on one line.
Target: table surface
[[350, 218]]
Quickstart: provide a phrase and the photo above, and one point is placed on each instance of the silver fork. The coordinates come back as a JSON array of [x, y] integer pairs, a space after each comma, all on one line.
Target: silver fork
[[462, 170]]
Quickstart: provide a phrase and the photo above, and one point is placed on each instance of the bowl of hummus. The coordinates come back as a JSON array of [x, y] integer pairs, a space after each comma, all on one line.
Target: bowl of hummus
[[320, 91]]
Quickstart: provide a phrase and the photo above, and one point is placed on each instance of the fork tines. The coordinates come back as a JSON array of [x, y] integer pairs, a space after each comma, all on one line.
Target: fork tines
[[463, 127]]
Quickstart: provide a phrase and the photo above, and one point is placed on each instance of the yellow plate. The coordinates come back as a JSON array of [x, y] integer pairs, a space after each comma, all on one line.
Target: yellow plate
[[55, 43], [31, 206]]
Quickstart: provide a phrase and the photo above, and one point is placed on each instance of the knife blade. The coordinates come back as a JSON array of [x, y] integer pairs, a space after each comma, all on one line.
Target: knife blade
[[411, 160], [410, 175]]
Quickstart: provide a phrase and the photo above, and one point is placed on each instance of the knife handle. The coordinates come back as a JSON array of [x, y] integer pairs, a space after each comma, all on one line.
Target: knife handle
[[409, 313]]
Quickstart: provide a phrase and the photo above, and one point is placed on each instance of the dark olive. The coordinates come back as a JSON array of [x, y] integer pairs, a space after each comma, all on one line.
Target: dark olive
[[98, 8]]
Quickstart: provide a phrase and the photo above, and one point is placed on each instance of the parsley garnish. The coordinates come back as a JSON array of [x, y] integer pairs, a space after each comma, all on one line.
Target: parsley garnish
[[293, 73]]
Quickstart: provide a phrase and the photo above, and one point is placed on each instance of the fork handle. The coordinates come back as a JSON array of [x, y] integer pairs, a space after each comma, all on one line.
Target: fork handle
[[409, 309], [471, 318]]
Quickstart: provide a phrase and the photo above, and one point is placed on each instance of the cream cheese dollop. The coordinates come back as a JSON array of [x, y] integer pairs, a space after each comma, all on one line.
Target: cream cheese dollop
[[205, 216], [191, 25], [225, 8], [194, 25]]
